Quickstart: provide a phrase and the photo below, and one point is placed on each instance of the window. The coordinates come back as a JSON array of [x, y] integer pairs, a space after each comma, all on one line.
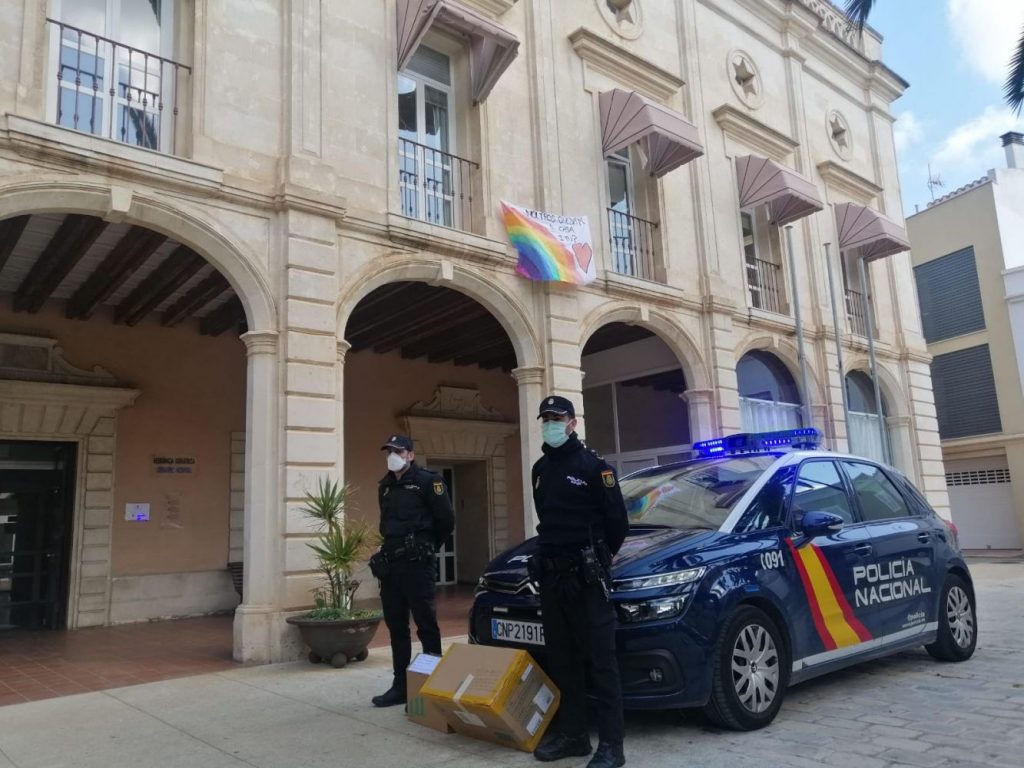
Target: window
[[115, 73], [855, 291], [878, 497], [769, 399], [863, 428], [965, 393], [820, 489], [949, 295], [764, 270], [768, 509], [632, 234]]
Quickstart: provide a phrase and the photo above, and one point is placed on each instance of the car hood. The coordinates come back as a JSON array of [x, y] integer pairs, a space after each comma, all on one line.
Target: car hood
[[644, 550]]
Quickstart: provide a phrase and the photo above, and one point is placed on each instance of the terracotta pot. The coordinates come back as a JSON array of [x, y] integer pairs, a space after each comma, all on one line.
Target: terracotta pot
[[336, 641]]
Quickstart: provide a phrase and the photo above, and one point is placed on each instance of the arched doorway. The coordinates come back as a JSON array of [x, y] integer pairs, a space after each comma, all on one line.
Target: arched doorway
[[434, 363], [769, 398], [633, 403], [863, 428], [119, 345]]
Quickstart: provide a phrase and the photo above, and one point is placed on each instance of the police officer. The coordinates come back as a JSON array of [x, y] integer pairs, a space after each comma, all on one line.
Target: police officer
[[582, 524], [416, 518]]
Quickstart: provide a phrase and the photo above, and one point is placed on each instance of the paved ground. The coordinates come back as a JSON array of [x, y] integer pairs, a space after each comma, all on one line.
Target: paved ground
[[904, 711]]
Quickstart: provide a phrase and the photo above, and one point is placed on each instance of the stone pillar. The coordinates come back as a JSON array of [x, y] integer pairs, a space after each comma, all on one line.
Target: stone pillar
[[531, 390], [723, 369], [901, 444], [700, 404], [927, 471], [254, 627]]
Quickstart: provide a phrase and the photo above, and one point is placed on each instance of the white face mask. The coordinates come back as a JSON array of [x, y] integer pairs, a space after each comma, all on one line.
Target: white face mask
[[395, 462]]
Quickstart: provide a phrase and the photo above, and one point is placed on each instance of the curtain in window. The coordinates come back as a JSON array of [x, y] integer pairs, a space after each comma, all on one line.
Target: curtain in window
[[864, 437], [767, 416]]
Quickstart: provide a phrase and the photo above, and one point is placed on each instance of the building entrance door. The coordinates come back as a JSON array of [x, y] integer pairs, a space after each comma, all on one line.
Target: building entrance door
[[445, 564], [36, 500]]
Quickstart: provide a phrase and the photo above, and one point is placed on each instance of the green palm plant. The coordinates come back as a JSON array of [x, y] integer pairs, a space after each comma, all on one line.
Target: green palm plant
[[857, 11], [341, 545]]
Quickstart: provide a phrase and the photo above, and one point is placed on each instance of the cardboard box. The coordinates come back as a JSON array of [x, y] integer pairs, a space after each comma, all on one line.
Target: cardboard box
[[420, 709], [494, 694]]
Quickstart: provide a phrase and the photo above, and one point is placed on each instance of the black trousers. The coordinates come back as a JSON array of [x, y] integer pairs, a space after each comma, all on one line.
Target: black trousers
[[579, 635], [409, 588]]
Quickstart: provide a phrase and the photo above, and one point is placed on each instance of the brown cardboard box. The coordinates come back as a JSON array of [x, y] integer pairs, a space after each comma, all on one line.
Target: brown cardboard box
[[495, 694], [419, 709]]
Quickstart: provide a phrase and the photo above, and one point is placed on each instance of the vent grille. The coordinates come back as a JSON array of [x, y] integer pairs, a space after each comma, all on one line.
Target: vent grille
[[978, 477]]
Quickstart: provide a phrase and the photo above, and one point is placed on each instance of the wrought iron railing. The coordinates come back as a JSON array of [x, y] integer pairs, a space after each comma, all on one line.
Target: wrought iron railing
[[116, 91], [632, 241], [855, 312], [436, 186], [764, 281]]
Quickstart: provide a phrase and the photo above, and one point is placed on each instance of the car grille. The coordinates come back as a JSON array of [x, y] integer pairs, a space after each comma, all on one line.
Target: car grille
[[523, 587]]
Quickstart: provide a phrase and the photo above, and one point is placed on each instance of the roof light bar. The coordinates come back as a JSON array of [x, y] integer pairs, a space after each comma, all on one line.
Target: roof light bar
[[751, 442]]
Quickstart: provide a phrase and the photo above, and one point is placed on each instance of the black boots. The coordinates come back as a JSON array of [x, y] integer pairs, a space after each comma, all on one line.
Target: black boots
[[390, 698], [608, 755], [558, 746]]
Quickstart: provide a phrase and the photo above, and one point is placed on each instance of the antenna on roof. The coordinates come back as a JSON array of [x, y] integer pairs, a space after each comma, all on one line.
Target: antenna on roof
[[934, 182]]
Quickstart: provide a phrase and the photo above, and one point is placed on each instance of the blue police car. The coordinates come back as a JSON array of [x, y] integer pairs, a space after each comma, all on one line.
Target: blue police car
[[759, 564]]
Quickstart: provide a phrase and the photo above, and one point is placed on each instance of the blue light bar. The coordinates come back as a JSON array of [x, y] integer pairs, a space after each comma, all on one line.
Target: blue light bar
[[751, 442]]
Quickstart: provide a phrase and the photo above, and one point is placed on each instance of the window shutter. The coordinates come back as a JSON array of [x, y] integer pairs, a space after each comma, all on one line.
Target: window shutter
[[949, 295], [431, 64], [965, 393]]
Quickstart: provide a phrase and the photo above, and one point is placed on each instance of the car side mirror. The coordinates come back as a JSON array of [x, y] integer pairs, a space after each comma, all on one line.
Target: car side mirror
[[814, 524]]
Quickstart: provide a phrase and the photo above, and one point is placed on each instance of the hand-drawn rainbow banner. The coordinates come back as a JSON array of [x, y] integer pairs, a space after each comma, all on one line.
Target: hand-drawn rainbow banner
[[550, 247]]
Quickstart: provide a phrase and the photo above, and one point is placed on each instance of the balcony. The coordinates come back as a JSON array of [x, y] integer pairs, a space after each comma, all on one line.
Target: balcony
[[855, 312], [116, 91], [764, 282], [632, 241], [436, 186]]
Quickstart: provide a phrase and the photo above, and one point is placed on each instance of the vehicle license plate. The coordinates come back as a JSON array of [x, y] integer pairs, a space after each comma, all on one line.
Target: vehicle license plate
[[517, 631]]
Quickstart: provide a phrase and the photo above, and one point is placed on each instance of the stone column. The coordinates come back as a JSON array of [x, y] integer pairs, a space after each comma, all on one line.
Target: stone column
[[901, 441], [255, 618], [700, 404], [343, 348], [531, 390]]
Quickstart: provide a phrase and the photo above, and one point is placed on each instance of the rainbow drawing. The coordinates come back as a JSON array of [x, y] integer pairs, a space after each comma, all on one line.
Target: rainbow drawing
[[542, 255], [642, 505]]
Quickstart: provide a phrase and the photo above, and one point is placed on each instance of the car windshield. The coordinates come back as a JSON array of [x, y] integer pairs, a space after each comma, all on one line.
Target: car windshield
[[698, 494]]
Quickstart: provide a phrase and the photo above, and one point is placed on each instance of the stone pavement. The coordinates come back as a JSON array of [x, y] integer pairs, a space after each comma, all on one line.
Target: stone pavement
[[907, 710]]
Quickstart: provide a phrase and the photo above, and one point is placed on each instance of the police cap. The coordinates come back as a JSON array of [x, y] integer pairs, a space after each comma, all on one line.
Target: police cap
[[397, 442], [559, 406]]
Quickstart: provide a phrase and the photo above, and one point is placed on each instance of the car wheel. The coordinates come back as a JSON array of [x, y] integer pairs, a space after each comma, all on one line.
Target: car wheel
[[958, 622], [750, 671]]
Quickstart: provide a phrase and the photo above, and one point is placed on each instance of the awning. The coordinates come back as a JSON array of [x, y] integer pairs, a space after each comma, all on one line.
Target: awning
[[875, 235], [788, 194], [491, 47], [669, 140]]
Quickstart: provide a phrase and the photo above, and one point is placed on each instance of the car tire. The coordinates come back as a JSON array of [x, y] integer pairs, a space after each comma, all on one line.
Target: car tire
[[750, 671], [958, 622]]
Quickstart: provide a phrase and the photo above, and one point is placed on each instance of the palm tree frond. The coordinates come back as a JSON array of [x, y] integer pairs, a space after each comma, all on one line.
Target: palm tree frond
[[857, 12], [1013, 89]]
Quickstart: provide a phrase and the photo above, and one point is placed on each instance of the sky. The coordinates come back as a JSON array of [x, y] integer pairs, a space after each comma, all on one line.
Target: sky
[[955, 54]]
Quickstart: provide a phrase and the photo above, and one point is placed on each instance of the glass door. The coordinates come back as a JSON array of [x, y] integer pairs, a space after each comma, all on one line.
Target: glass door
[[444, 566]]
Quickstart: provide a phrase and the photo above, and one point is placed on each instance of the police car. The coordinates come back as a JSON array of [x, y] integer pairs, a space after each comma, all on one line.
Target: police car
[[759, 564]]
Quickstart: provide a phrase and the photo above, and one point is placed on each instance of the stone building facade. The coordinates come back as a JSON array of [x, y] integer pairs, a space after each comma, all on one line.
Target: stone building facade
[[253, 238]]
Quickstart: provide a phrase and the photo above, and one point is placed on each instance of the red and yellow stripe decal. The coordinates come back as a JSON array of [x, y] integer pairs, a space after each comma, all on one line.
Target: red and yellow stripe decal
[[833, 617]]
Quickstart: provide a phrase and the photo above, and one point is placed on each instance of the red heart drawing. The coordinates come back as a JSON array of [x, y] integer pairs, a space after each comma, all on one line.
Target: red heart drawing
[[584, 254]]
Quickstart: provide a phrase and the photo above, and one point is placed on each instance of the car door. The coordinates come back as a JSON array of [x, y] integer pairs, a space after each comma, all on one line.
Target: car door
[[899, 586], [826, 564]]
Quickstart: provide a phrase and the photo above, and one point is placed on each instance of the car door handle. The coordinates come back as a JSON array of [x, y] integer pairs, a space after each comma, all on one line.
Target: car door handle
[[924, 537], [863, 549]]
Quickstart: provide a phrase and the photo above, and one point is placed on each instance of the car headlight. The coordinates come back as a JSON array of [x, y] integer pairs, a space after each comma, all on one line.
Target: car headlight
[[675, 578], [651, 610]]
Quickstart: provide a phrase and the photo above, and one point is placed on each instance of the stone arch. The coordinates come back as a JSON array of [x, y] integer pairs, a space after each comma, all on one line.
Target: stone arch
[[663, 326], [185, 224], [787, 354], [892, 393], [503, 306]]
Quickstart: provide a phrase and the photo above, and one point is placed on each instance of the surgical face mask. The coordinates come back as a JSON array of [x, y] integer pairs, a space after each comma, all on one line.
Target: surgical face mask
[[554, 433], [395, 462]]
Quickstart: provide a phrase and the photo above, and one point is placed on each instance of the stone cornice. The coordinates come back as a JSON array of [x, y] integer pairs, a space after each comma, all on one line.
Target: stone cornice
[[104, 400], [446, 241], [748, 130], [623, 66], [843, 179], [492, 7]]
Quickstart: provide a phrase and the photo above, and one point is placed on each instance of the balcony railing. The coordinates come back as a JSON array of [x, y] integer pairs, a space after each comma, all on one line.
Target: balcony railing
[[632, 244], [855, 312], [436, 186], [764, 281], [113, 90]]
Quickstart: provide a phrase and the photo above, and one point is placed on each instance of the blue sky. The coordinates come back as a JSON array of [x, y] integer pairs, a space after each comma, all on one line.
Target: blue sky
[[954, 54]]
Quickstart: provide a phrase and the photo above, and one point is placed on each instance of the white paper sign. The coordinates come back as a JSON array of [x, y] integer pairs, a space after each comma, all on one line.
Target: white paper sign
[[425, 664], [136, 512]]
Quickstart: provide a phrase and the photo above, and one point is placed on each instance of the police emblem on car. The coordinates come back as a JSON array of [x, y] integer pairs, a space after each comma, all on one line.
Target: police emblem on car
[[758, 563]]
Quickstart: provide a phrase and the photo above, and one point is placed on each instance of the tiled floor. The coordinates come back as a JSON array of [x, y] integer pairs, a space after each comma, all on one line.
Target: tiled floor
[[42, 665]]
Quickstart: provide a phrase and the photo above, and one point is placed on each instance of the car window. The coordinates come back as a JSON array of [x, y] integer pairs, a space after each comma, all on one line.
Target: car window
[[819, 488], [878, 497], [918, 503], [768, 509]]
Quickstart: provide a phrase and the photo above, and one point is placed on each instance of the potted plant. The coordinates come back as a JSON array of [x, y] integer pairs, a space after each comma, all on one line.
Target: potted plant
[[334, 630]]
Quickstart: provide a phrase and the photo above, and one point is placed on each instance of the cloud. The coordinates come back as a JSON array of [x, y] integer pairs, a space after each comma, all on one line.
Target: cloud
[[907, 130], [974, 146], [987, 32]]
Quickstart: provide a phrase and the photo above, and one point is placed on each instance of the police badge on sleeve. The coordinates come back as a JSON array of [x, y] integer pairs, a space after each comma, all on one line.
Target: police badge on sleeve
[[609, 478], [438, 487]]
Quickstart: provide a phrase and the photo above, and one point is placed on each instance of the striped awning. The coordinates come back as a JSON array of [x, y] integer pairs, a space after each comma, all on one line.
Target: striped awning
[[491, 47], [871, 232], [668, 139], [789, 195]]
